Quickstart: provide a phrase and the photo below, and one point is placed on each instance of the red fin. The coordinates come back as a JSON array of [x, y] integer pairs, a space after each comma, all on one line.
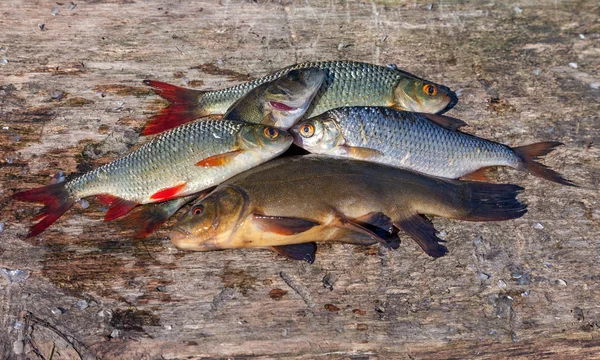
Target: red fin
[[494, 202], [118, 208], [56, 200], [168, 193], [106, 199], [446, 122], [152, 216], [283, 225], [421, 230], [305, 251], [478, 175], [528, 153], [218, 160], [184, 107]]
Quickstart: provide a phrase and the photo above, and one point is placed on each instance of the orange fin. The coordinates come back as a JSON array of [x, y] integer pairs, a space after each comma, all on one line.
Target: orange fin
[[220, 159], [478, 175], [168, 193], [446, 122], [56, 200], [118, 208], [283, 225], [529, 153], [152, 216], [423, 232], [305, 251], [361, 152], [184, 107]]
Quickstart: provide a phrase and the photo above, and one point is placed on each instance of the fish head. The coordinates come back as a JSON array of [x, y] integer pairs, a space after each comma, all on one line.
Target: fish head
[[320, 134], [418, 95], [211, 221], [264, 139], [287, 98]]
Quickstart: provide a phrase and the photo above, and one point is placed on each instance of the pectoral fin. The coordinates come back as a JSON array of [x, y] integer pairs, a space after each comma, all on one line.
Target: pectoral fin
[[447, 122], [304, 251], [423, 232], [283, 225], [361, 152], [220, 159]]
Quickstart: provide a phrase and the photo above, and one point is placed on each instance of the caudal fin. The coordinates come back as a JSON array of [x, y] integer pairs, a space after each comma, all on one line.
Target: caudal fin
[[529, 153], [56, 199], [495, 202], [183, 108]]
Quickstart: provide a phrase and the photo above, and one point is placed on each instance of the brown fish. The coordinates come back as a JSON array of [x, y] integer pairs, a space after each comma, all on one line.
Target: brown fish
[[313, 198]]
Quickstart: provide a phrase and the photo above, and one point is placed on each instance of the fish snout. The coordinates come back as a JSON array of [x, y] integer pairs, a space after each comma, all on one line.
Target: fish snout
[[185, 240]]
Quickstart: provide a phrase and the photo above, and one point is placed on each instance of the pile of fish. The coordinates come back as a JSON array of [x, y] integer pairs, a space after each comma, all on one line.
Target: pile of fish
[[383, 158]]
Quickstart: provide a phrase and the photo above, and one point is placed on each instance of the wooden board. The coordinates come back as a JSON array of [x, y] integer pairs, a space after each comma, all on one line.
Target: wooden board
[[71, 98]]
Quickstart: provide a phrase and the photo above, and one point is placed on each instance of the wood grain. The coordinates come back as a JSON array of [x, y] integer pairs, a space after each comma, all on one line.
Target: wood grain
[[71, 98]]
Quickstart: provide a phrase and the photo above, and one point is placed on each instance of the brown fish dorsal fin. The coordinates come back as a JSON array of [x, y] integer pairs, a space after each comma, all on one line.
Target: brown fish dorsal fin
[[423, 232], [479, 175], [341, 221], [283, 225], [361, 152], [444, 121], [220, 159], [305, 251]]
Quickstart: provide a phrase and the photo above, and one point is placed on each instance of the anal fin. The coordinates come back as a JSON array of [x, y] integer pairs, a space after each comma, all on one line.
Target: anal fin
[[305, 251], [479, 175], [423, 232]]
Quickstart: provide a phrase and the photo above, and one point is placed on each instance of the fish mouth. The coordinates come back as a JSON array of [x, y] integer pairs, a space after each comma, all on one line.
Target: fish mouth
[[453, 100], [185, 240]]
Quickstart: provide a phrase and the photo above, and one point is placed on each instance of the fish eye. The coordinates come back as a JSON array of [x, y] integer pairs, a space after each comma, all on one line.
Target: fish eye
[[271, 133], [198, 209], [294, 75], [430, 89], [307, 130]]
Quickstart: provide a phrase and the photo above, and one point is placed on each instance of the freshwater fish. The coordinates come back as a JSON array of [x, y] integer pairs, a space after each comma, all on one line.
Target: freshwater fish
[[177, 163], [295, 200], [347, 83], [427, 143]]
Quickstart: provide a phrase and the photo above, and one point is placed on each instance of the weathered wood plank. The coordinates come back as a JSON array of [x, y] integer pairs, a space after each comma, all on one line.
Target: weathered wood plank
[[505, 289]]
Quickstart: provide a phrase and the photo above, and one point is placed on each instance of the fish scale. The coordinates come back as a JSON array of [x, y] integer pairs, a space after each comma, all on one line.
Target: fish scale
[[166, 160], [412, 141]]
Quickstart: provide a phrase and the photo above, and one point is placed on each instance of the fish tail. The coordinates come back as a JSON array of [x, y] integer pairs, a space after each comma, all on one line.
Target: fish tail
[[183, 108], [529, 153], [56, 199], [494, 202]]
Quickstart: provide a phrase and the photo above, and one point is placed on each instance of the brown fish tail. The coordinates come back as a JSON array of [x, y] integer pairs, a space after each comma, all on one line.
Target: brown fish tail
[[529, 153], [56, 199], [183, 108], [494, 202]]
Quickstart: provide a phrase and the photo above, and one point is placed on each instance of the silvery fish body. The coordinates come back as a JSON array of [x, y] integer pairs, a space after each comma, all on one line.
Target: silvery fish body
[[170, 159], [350, 83], [426, 143]]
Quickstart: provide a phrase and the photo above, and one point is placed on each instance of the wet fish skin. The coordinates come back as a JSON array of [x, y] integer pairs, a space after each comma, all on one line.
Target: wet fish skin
[[346, 83], [247, 211], [279, 103], [413, 141], [176, 163]]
